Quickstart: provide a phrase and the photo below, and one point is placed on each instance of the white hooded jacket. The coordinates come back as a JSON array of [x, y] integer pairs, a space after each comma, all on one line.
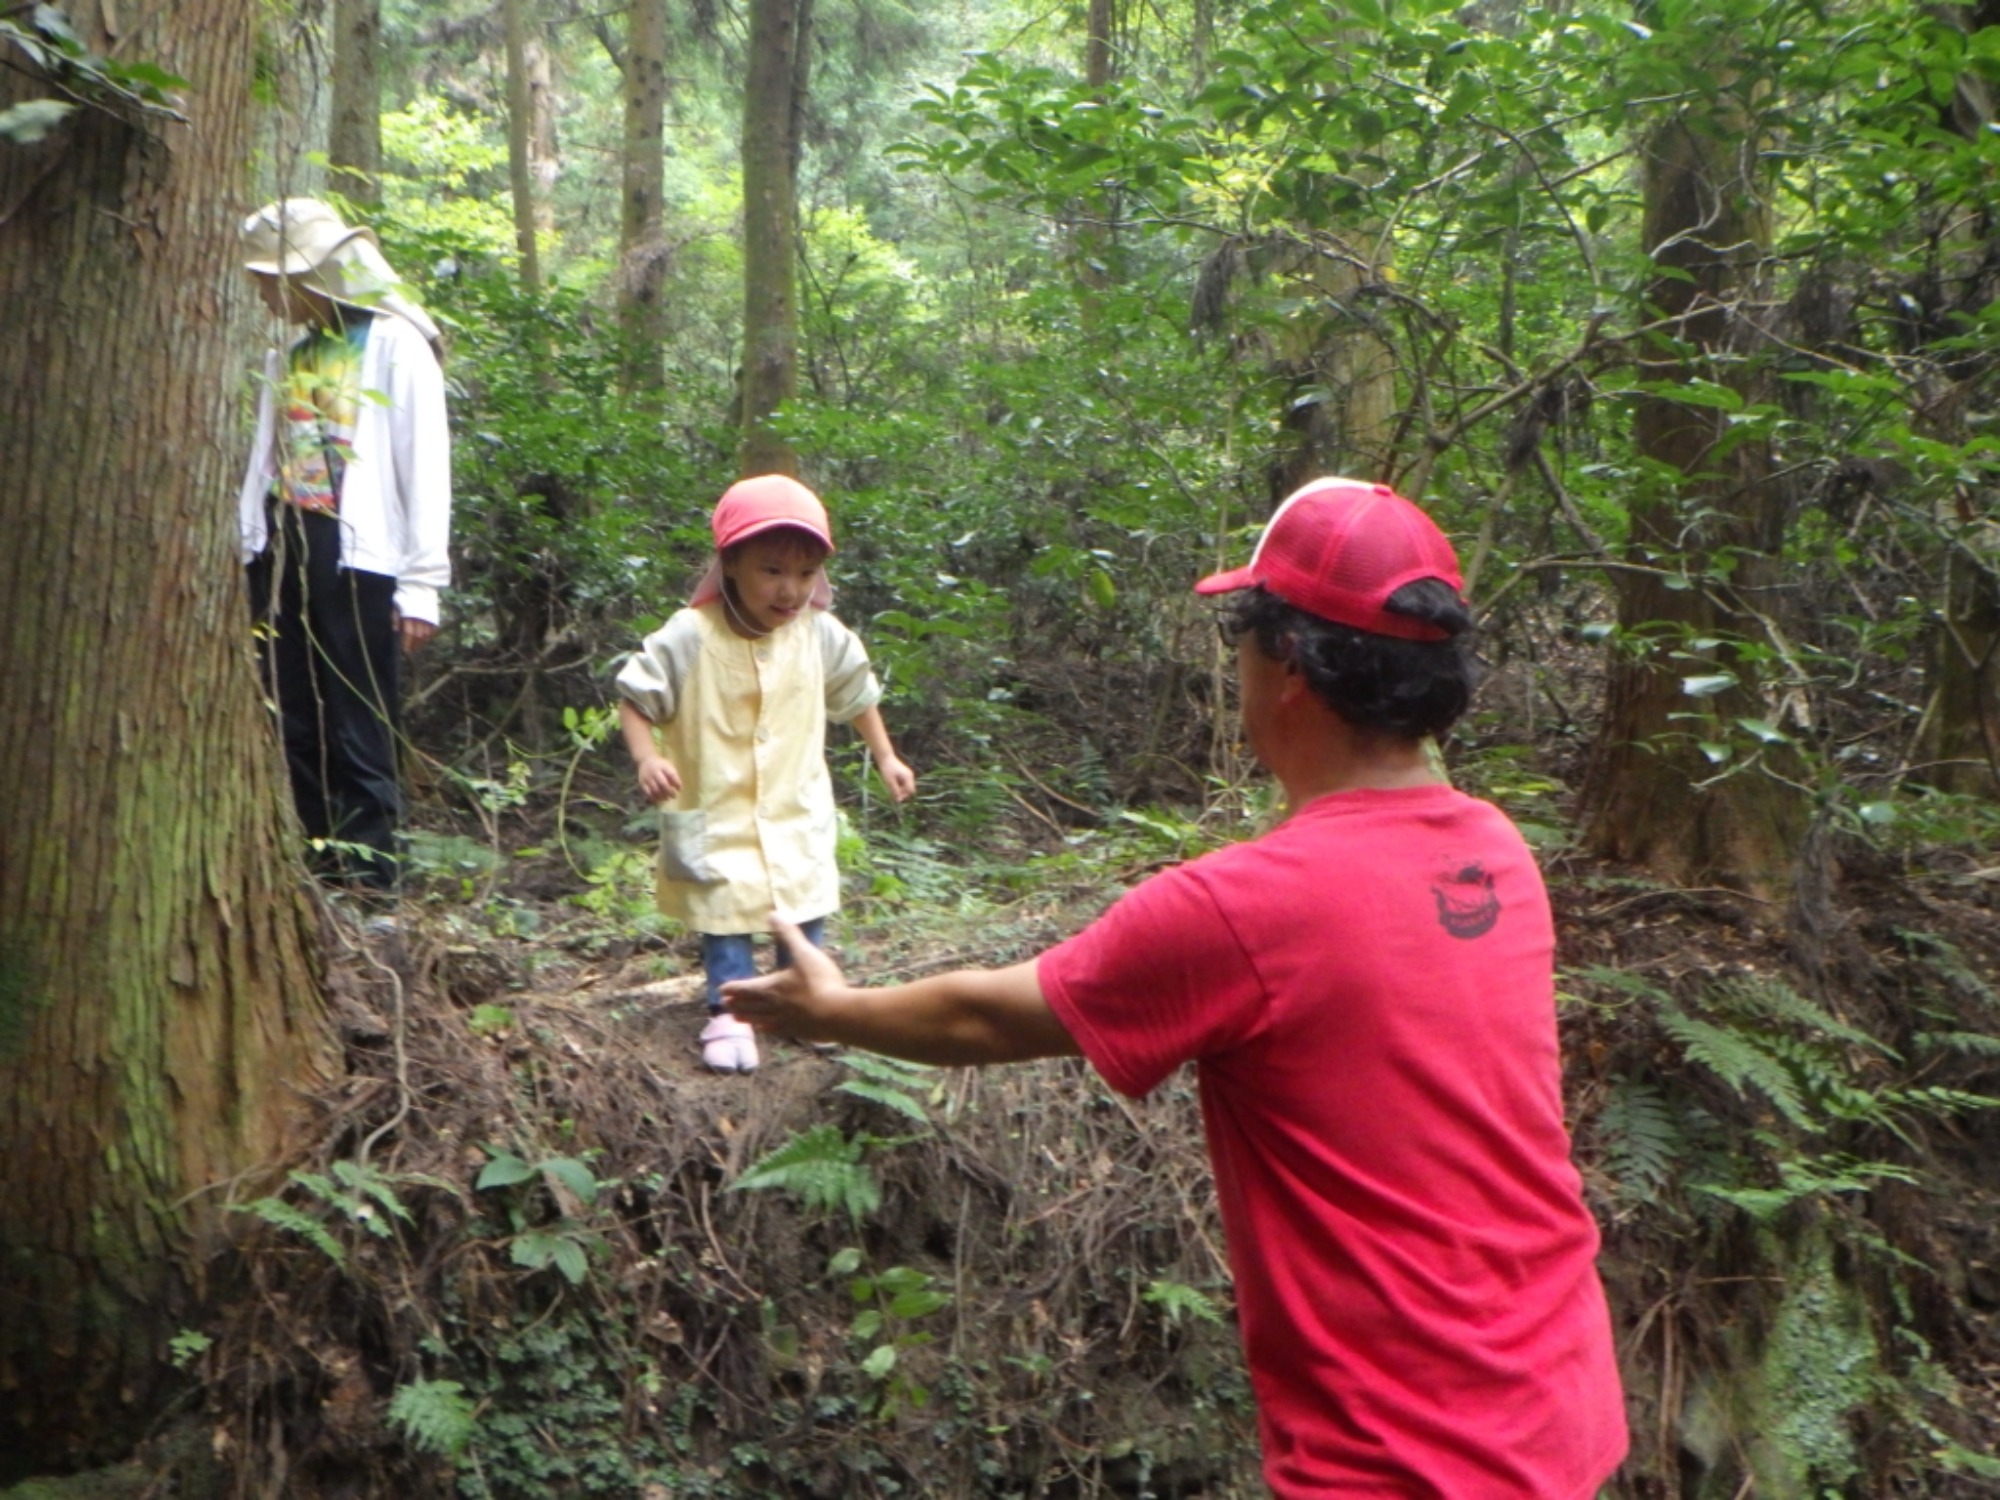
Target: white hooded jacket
[[395, 498]]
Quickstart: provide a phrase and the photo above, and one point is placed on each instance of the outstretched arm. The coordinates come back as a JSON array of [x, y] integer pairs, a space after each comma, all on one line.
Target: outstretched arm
[[959, 1019]]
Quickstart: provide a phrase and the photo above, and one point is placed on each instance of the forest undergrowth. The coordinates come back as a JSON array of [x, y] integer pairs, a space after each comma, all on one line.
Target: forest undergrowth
[[534, 1249]]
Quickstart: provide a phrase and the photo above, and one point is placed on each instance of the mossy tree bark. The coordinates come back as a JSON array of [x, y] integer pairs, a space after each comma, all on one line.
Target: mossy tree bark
[[1707, 522], [774, 97], [159, 1016]]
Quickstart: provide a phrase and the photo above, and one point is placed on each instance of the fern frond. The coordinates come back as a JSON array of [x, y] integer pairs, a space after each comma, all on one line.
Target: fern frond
[[1643, 1138], [908, 1075], [1971, 1043], [1946, 958], [893, 1098], [1807, 1177], [435, 1415], [888, 1081], [1179, 1301], [1766, 997], [281, 1215], [1736, 1058], [1622, 982], [823, 1168], [371, 1183]]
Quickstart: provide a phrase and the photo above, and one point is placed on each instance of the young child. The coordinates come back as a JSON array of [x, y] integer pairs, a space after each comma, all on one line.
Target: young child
[[724, 709]]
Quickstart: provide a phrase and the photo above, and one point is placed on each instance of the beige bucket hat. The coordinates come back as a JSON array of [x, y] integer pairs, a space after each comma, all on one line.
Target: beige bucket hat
[[305, 240]]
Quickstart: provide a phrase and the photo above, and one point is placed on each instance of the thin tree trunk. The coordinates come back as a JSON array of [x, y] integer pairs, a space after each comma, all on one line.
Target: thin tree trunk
[[544, 151], [642, 252], [1343, 420], [1655, 796], [774, 95], [520, 135], [1093, 236], [1097, 45], [159, 1017], [1341, 416], [354, 144]]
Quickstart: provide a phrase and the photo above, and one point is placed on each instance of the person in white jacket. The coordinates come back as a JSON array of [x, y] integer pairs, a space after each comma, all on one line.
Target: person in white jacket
[[345, 520]]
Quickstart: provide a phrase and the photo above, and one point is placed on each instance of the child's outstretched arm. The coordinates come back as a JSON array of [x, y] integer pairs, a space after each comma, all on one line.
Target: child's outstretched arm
[[902, 781], [657, 777]]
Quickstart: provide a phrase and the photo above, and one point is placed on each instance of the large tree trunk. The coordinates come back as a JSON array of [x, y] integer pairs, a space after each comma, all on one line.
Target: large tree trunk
[[1656, 797], [159, 1018], [642, 251], [354, 138], [1960, 748], [774, 96]]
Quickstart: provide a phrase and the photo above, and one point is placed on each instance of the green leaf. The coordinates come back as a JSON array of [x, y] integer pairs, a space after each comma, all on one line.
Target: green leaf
[[534, 1249], [1704, 393], [30, 121], [146, 78], [573, 1175], [504, 1170], [571, 1261], [880, 1361], [1707, 685], [489, 1020], [917, 1304], [1764, 732]]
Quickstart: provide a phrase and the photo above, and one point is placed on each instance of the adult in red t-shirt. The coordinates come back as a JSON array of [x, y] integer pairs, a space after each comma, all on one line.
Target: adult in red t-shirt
[[1367, 993]]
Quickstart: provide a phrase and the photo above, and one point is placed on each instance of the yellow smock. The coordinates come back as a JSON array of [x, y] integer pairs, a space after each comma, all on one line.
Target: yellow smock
[[753, 829]]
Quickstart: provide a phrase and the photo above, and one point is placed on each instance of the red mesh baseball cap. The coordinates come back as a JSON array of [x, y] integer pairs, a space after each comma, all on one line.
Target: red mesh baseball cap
[[1338, 548]]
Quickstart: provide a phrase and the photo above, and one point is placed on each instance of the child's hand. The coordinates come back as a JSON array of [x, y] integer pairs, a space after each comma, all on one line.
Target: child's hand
[[658, 779], [902, 781]]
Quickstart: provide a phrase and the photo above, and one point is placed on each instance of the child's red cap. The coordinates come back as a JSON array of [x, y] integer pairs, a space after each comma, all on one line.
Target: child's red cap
[[764, 503], [769, 500]]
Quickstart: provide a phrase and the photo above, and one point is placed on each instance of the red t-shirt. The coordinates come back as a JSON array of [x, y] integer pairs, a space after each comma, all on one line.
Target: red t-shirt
[[1368, 991]]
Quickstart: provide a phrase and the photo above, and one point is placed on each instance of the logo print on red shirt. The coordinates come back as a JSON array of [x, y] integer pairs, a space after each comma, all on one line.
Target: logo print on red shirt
[[1468, 906]]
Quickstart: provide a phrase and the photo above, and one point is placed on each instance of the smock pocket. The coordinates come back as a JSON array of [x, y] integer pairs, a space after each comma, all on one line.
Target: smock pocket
[[684, 847]]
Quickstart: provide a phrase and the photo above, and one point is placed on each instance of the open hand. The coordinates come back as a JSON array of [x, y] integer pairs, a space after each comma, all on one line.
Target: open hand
[[798, 1000]]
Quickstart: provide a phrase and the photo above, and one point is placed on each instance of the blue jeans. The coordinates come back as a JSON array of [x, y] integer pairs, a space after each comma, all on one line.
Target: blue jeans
[[729, 955]]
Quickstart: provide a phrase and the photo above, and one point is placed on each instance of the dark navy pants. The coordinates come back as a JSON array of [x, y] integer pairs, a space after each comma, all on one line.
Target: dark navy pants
[[330, 652]]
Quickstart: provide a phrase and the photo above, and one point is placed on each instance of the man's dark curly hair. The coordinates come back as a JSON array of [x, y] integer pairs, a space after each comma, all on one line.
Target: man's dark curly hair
[[1378, 683]]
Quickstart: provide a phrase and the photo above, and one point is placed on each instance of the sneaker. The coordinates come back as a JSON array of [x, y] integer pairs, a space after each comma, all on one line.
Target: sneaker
[[729, 1045]]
